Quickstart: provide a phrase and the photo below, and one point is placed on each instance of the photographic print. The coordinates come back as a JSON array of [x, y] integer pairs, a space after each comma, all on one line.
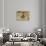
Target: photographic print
[[22, 15]]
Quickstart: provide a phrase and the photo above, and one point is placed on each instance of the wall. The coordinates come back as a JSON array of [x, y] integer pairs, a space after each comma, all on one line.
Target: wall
[[1, 15], [34, 6], [44, 18]]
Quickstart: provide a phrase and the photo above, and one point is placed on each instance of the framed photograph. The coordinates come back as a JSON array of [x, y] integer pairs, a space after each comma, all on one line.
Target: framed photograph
[[22, 15]]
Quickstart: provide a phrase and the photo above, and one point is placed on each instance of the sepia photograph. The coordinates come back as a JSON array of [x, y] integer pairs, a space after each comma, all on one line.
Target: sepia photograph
[[22, 16]]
